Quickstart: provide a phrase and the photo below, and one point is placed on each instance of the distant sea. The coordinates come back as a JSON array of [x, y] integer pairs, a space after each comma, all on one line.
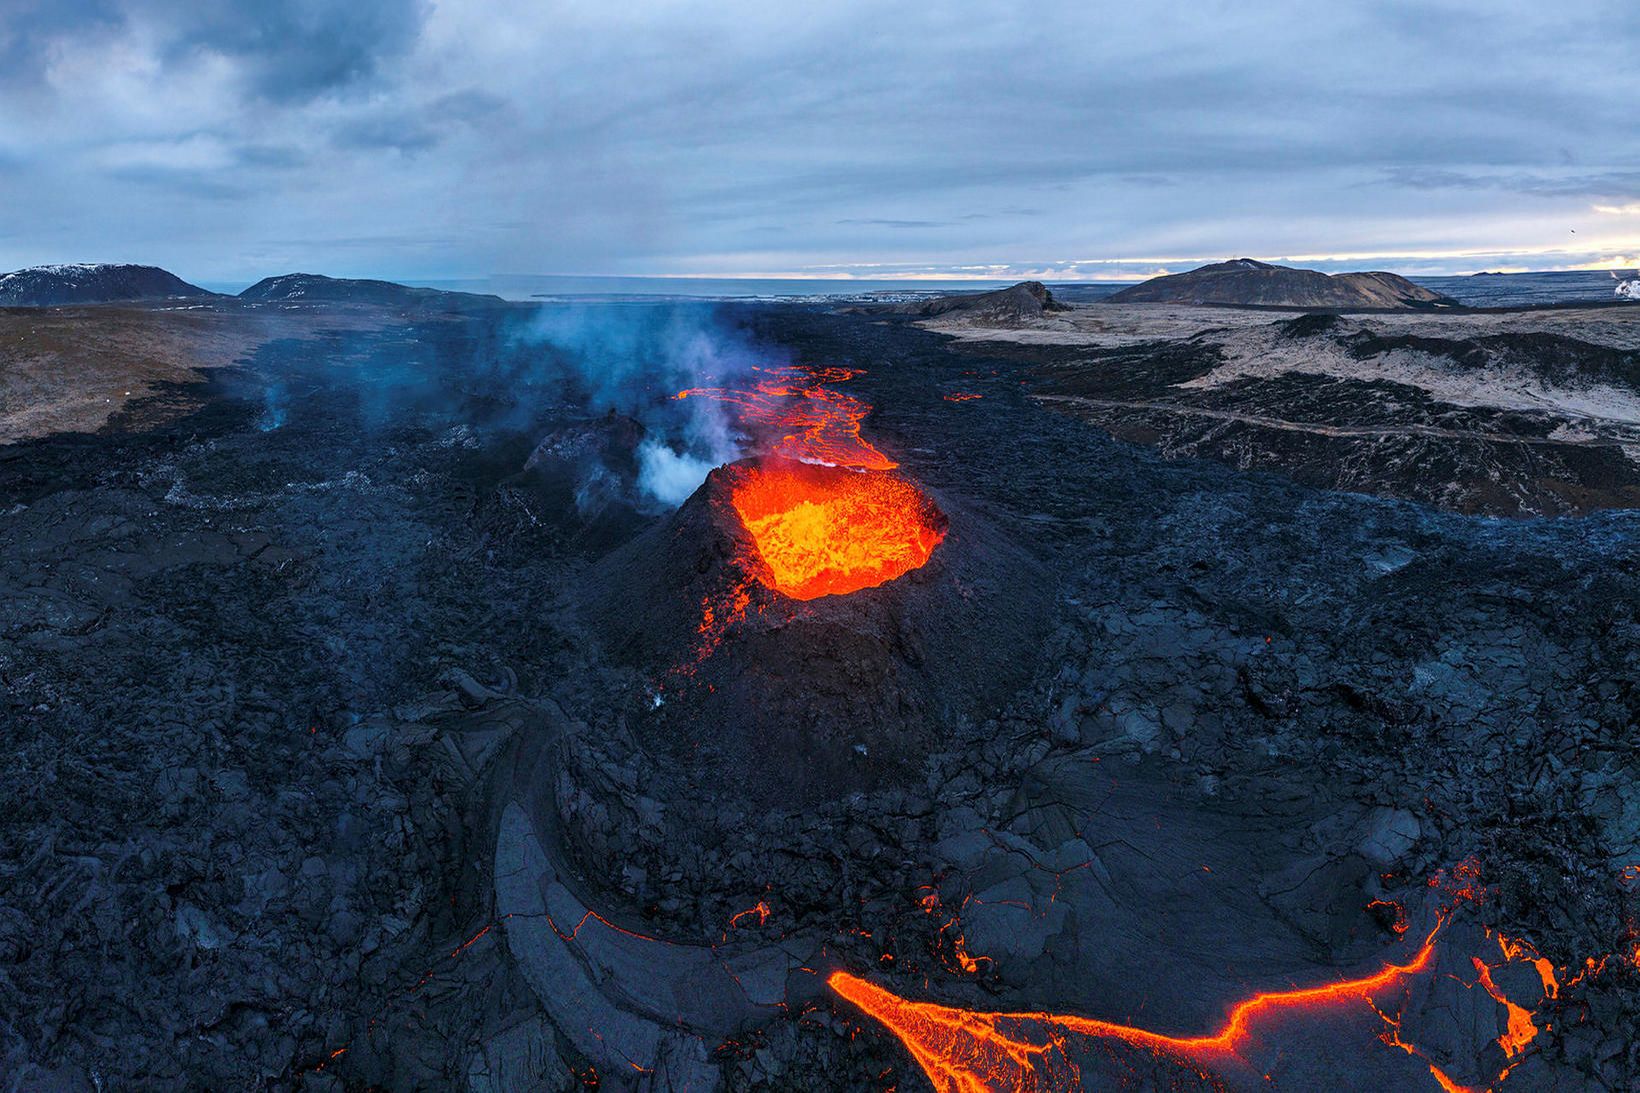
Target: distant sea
[[1524, 289], [560, 287], [1480, 290]]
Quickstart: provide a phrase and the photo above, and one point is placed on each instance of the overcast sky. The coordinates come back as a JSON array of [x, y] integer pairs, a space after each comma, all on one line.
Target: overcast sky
[[447, 138]]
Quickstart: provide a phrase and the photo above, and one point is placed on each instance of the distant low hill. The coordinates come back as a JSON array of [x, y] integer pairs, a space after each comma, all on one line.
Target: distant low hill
[[1016, 303], [1246, 281], [91, 283], [316, 288]]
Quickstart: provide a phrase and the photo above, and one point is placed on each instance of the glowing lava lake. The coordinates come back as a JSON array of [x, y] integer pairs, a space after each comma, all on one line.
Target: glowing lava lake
[[824, 531]]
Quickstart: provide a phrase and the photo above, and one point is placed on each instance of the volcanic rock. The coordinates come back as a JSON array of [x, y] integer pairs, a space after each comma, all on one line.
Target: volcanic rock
[[90, 283], [1246, 281], [1017, 303], [248, 840], [810, 699], [1503, 417], [583, 472]]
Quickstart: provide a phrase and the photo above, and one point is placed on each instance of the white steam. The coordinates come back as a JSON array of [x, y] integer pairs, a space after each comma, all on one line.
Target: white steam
[[633, 360], [666, 475]]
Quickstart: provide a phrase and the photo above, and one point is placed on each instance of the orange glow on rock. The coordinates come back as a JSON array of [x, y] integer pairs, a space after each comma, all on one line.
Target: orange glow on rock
[[825, 531], [1518, 949], [965, 1051], [803, 417], [1522, 1030]]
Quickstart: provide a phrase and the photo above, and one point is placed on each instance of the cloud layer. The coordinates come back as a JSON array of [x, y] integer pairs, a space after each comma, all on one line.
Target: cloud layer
[[418, 139]]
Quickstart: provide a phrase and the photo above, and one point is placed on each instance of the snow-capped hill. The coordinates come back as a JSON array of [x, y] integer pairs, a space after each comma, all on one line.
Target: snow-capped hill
[[310, 288], [90, 283]]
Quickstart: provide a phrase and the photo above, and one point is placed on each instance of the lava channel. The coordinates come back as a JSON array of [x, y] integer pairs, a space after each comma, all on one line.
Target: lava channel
[[800, 416], [970, 1051], [827, 531]]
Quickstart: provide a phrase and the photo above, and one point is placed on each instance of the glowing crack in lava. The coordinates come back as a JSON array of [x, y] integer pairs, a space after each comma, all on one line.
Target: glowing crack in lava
[[798, 415], [825, 531], [965, 1051]]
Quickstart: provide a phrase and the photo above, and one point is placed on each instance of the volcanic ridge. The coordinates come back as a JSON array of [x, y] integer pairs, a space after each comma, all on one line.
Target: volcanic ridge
[[1247, 282]]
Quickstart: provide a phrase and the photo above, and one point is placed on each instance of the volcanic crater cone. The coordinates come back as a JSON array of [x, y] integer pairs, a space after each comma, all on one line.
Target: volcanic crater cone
[[774, 683]]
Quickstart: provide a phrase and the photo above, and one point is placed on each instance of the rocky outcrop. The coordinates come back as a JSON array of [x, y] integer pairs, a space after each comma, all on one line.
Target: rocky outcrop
[[1454, 412], [1017, 303], [1249, 282], [811, 700], [90, 283]]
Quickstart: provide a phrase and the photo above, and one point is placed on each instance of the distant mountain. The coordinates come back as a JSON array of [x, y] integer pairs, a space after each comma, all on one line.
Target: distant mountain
[[1026, 300], [90, 283], [316, 288], [1245, 281]]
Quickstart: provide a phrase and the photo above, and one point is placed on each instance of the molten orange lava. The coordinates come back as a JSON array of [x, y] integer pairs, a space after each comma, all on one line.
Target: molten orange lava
[[824, 531], [803, 418], [975, 1052], [1522, 1030]]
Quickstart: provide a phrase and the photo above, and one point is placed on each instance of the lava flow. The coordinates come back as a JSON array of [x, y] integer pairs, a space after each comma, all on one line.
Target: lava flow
[[965, 1051], [825, 531], [793, 412]]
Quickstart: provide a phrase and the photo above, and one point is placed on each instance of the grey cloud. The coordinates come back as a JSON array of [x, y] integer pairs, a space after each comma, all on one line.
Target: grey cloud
[[295, 51], [28, 28], [741, 136], [400, 132], [210, 186], [877, 222], [1584, 184], [286, 52], [279, 156], [412, 131], [1004, 212]]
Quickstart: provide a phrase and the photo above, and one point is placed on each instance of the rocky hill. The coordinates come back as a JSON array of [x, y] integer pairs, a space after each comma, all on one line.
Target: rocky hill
[[1025, 300], [1002, 307], [90, 283], [1246, 281], [317, 288]]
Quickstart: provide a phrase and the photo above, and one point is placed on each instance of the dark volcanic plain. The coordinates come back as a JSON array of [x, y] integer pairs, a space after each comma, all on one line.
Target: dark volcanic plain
[[321, 771]]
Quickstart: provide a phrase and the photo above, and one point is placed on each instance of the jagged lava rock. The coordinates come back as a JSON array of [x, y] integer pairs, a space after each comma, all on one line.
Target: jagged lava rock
[[811, 699]]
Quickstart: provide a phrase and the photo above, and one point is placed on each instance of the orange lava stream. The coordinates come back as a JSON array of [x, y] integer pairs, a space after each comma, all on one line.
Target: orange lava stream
[[825, 532], [965, 1051], [809, 421]]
